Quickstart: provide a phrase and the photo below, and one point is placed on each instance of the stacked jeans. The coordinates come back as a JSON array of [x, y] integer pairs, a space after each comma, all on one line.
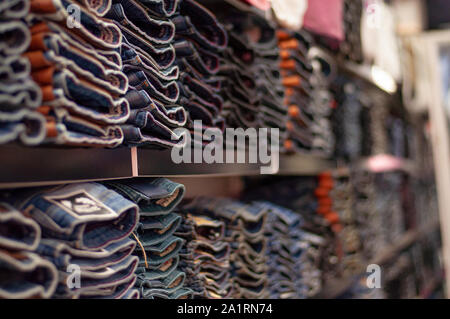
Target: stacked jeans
[[74, 60], [314, 232], [19, 95], [388, 195], [286, 253], [206, 257], [193, 281], [245, 234], [251, 85], [85, 229], [149, 63], [24, 274], [199, 38], [307, 96], [341, 201], [272, 112], [351, 119], [366, 213], [158, 273]]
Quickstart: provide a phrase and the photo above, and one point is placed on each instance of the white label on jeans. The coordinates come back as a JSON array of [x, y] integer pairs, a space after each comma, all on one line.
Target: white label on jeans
[[81, 204]]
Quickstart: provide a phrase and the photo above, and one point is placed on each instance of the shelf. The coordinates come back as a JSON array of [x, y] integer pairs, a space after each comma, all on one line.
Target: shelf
[[159, 163], [304, 164], [39, 166]]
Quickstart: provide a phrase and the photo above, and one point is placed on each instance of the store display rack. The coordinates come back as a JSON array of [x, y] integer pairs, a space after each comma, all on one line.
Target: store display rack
[[29, 166]]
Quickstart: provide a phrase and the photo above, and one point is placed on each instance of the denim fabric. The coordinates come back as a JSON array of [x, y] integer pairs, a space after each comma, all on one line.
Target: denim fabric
[[199, 24], [20, 93], [201, 93], [62, 255], [26, 275], [163, 56], [17, 232], [162, 8], [24, 125], [170, 115], [76, 131], [198, 39], [309, 101], [159, 272], [14, 9], [148, 62], [201, 60], [79, 61], [14, 68], [158, 249], [108, 57], [152, 236], [146, 121], [133, 16], [93, 29], [15, 37], [165, 92], [155, 197], [244, 231], [122, 291], [85, 99], [78, 70], [86, 215], [206, 257], [93, 282], [99, 8]]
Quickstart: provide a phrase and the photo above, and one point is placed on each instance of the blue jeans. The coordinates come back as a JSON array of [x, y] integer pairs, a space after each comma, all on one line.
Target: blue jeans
[[87, 215]]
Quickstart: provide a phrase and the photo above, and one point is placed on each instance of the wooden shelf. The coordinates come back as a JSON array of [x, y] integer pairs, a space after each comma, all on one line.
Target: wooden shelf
[[38, 166]]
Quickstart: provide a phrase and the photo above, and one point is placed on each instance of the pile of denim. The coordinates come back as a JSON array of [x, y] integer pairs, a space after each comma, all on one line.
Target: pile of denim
[[351, 119], [342, 200], [74, 60], [199, 38], [24, 274], [364, 125], [251, 82], [307, 96], [148, 57], [287, 255], [378, 209], [245, 234], [85, 229], [158, 273], [187, 232], [19, 95], [389, 203], [317, 233], [206, 257], [366, 213]]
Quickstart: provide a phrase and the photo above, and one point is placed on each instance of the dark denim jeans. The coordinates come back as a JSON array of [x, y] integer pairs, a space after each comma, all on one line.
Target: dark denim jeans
[[86, 215]]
